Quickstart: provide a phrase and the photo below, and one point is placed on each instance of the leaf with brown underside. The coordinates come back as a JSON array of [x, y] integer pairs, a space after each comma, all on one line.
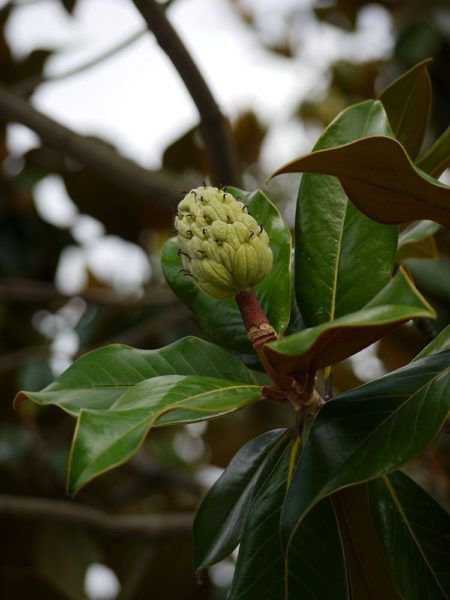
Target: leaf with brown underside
[[408, 103], [380, 179], [318, 347]]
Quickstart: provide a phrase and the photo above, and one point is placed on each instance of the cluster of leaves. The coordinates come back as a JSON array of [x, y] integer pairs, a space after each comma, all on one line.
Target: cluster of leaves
[[323, 509]]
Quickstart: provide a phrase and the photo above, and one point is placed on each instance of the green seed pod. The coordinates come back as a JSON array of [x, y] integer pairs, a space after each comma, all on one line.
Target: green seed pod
[[224, 249]]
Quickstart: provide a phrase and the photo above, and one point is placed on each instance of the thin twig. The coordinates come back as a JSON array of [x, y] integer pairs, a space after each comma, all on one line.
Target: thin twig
[[214, 126], [28, 85], [99, 157], [152, 527]]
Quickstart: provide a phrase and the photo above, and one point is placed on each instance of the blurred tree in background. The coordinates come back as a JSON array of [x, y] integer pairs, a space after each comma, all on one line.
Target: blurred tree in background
[[50, 543]]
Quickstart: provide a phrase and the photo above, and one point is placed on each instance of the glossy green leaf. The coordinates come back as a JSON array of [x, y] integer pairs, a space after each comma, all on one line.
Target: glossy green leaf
[[408, 103], [104, 439], [440, 343], [219, 520], [437, 158], [327, 344], [262, 573], [416, 534], [220, 320], [336, 245], [99, 378], [368, 432], [380, 179], [368, 570]]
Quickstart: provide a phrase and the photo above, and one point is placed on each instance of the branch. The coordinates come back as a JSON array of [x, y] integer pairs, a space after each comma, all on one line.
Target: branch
[[108, 163], [152, 527], [34, 291], [214, 126]]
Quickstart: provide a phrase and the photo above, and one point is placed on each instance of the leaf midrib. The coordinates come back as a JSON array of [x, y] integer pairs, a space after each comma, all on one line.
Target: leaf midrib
[[405, 110], [410, 529], [429, 383], [151, 418], [341, 233], [188, 398]]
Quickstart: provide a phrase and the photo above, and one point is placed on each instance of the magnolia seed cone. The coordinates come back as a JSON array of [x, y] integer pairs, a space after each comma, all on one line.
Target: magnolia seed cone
[[224, 249]]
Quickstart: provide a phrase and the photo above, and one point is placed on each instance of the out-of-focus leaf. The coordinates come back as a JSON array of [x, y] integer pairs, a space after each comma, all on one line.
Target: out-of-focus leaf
[[249, 133], [417, 40], [380, 180], [101, 198], [408, 103], [336, 245], [105, 439], [283, 48], [440, 343], [29, 247], [186, 152], [350, 82], [100, 378], [65, 570], [417, 241], [437, 158], [219, 520], [369, 432], [326, 344], [15, 443], [262, 571], [431, 276], [416, 534], [7, 73], [221, 320], [426, 248], [32, 66], [417, 232], [339, 14], [35, 374], [355, 79]]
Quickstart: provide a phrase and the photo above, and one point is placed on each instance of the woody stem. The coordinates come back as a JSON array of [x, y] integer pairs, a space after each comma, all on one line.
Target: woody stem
[[259, 330]]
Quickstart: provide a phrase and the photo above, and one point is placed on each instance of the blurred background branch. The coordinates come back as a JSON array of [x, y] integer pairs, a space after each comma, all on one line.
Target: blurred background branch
[[126, 174], [152, 527], [214, 126]]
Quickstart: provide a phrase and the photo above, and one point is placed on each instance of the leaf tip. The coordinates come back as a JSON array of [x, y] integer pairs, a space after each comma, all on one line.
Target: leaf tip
[[290, 167]]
